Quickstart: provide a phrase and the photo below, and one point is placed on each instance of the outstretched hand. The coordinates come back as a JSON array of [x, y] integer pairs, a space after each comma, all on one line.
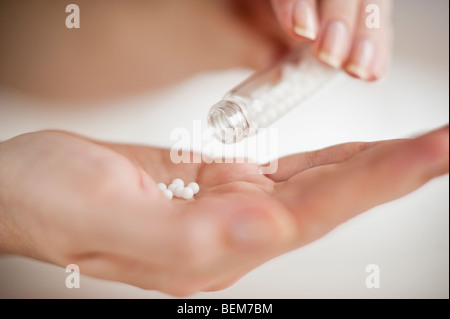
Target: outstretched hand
[[65, 199]]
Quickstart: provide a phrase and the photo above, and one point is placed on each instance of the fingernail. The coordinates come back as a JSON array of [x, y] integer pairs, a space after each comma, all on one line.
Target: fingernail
[[304, 20], [251, 231], [334, 44], [361, 59], [379, 68]]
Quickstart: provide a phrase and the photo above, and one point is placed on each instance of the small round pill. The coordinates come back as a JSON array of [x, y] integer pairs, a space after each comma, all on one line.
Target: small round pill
[[168, 193], [272, 113], [162, 187], [187, 193], [177, 191], [194, 186], [178, 181], [172, 187], [258, 105]]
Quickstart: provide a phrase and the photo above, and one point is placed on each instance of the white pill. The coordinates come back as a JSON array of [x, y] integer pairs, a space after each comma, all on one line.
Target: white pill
[[177, 191], [282, 107], [272, 101], [162, 187], [272, 113], [187, 193], [194, 186], [178, 181], [168, 193], [172, 187], [258, 105]]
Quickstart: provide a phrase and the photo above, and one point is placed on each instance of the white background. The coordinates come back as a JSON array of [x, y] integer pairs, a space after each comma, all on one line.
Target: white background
[[407, 238]]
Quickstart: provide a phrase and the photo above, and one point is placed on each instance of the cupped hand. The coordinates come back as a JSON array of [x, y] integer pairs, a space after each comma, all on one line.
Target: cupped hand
[[66, 199]]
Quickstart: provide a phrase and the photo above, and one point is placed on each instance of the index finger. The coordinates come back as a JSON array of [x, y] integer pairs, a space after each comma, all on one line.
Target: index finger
[[297, 18], [326, 196]]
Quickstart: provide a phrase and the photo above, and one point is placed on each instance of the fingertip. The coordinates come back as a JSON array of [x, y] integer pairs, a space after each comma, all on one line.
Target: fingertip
[[438, 133], [371, 45], [361, 60], [304, 19], [366, 62], [378, 74], [420, 159], [332, 49], [298, 19], [435, 145]]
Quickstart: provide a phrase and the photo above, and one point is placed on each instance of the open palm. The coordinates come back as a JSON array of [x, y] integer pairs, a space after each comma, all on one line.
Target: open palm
[[97, 205]]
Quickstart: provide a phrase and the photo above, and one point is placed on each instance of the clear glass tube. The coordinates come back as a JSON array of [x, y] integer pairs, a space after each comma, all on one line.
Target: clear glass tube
[[265, 96]]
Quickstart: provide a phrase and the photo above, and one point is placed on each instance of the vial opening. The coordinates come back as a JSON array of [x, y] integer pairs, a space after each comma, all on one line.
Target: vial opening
[[228, 121]]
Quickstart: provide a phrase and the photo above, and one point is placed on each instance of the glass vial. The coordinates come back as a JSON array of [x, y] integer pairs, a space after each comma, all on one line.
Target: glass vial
[[265, 96]]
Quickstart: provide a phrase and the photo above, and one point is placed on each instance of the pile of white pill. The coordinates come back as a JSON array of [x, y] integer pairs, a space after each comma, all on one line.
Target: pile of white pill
[[177, 188], [298, 81]]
